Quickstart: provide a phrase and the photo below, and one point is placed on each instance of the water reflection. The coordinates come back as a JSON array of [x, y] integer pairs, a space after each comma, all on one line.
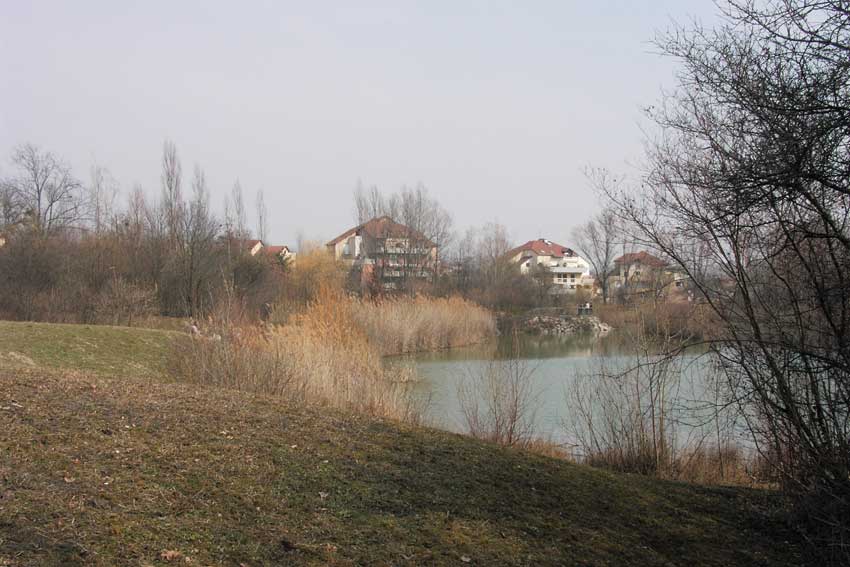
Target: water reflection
[[536, 347], [557, 363]]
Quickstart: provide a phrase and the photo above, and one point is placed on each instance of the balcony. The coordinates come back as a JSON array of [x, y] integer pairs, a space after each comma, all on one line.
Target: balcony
[[578, 270]]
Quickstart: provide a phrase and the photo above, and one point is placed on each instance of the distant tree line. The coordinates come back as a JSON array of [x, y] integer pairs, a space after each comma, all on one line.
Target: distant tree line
[[70, 253]]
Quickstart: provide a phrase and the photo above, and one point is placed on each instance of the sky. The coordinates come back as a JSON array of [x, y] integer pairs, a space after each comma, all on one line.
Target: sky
[[496, 107]]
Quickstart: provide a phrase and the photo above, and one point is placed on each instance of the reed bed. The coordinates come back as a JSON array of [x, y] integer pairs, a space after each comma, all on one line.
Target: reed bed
[[405, 325], [322, 357]]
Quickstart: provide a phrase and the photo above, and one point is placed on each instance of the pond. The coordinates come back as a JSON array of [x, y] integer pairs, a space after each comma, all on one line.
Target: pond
[[555, 365]]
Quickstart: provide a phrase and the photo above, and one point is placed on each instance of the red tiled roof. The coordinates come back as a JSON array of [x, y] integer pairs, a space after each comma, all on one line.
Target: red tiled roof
[[543, 247], [249, 244], [642, 257], [382, 227], [275, 250]]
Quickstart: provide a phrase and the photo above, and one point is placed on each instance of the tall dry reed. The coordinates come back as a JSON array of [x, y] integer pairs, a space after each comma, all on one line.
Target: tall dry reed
[[321, 357], [404, 325]]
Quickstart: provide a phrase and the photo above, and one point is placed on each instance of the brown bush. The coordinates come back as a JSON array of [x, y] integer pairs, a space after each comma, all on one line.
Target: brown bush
[[321, 357]]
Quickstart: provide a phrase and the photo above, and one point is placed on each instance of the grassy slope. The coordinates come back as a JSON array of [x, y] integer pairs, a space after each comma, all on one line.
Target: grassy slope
[[95, 470], [100, 349]]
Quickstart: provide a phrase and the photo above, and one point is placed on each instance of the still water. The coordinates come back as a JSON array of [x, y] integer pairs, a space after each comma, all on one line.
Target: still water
[[555, 364]]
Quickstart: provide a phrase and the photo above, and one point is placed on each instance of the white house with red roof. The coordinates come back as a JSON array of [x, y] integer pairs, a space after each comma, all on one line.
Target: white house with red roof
[[254, 247], [570, 272]]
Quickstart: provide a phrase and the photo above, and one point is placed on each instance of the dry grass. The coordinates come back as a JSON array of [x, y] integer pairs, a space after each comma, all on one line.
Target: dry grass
[[330, 352], [687, 321], [320, 357], [405, 325], [126, 471], [315, 272], [710, 465]]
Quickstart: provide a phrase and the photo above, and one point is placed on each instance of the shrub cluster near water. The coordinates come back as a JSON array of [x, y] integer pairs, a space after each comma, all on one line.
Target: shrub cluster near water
[[331, 352]]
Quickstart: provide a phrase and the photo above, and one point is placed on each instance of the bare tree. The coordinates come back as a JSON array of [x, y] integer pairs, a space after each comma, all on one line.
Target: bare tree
[[10, 208], [751, 169], [172, 191], [101, 199], [494, 246], [236, 224], [483, 252], [262, 217], [368, 204], [200, 229], [596, 240], [45, 189], [428, 226]]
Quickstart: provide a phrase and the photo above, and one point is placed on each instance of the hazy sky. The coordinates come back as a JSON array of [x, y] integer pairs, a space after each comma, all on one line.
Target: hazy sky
[[494, 106]]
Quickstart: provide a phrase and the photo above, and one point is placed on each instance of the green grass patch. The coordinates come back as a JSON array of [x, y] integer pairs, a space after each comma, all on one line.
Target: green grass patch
[[114, 351]]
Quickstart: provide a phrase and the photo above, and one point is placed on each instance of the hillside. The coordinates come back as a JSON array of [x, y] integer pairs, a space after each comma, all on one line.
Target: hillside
[[118, 467], [104, 350]]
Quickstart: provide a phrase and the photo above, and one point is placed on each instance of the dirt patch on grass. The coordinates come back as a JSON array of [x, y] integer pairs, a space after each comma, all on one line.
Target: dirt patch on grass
[[17, 358], [110, 351], [96, 471]]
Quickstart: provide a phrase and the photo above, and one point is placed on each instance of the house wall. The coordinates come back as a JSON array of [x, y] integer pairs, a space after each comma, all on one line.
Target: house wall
[[256, 249], [348, 249], [567, 272]]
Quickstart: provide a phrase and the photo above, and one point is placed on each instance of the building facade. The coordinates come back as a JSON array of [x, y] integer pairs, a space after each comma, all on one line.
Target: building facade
[[563, 270], [646, 274], [382, 254]]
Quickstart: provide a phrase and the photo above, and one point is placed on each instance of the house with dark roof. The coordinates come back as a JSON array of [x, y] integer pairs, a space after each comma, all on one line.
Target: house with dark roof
[[386, 254], [569, 272]]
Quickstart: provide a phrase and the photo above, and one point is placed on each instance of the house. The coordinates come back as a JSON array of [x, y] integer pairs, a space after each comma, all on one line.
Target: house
[[635, 267], [386, 254], [566, 271], [642, 272], [280, 254], [252, 247], [257, 249]]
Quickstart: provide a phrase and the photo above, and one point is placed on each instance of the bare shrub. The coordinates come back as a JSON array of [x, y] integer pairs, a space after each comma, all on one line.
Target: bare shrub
[[499, 403], [724, 463], [660, 416], [123, 303], [685, 321], [621, 419]]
